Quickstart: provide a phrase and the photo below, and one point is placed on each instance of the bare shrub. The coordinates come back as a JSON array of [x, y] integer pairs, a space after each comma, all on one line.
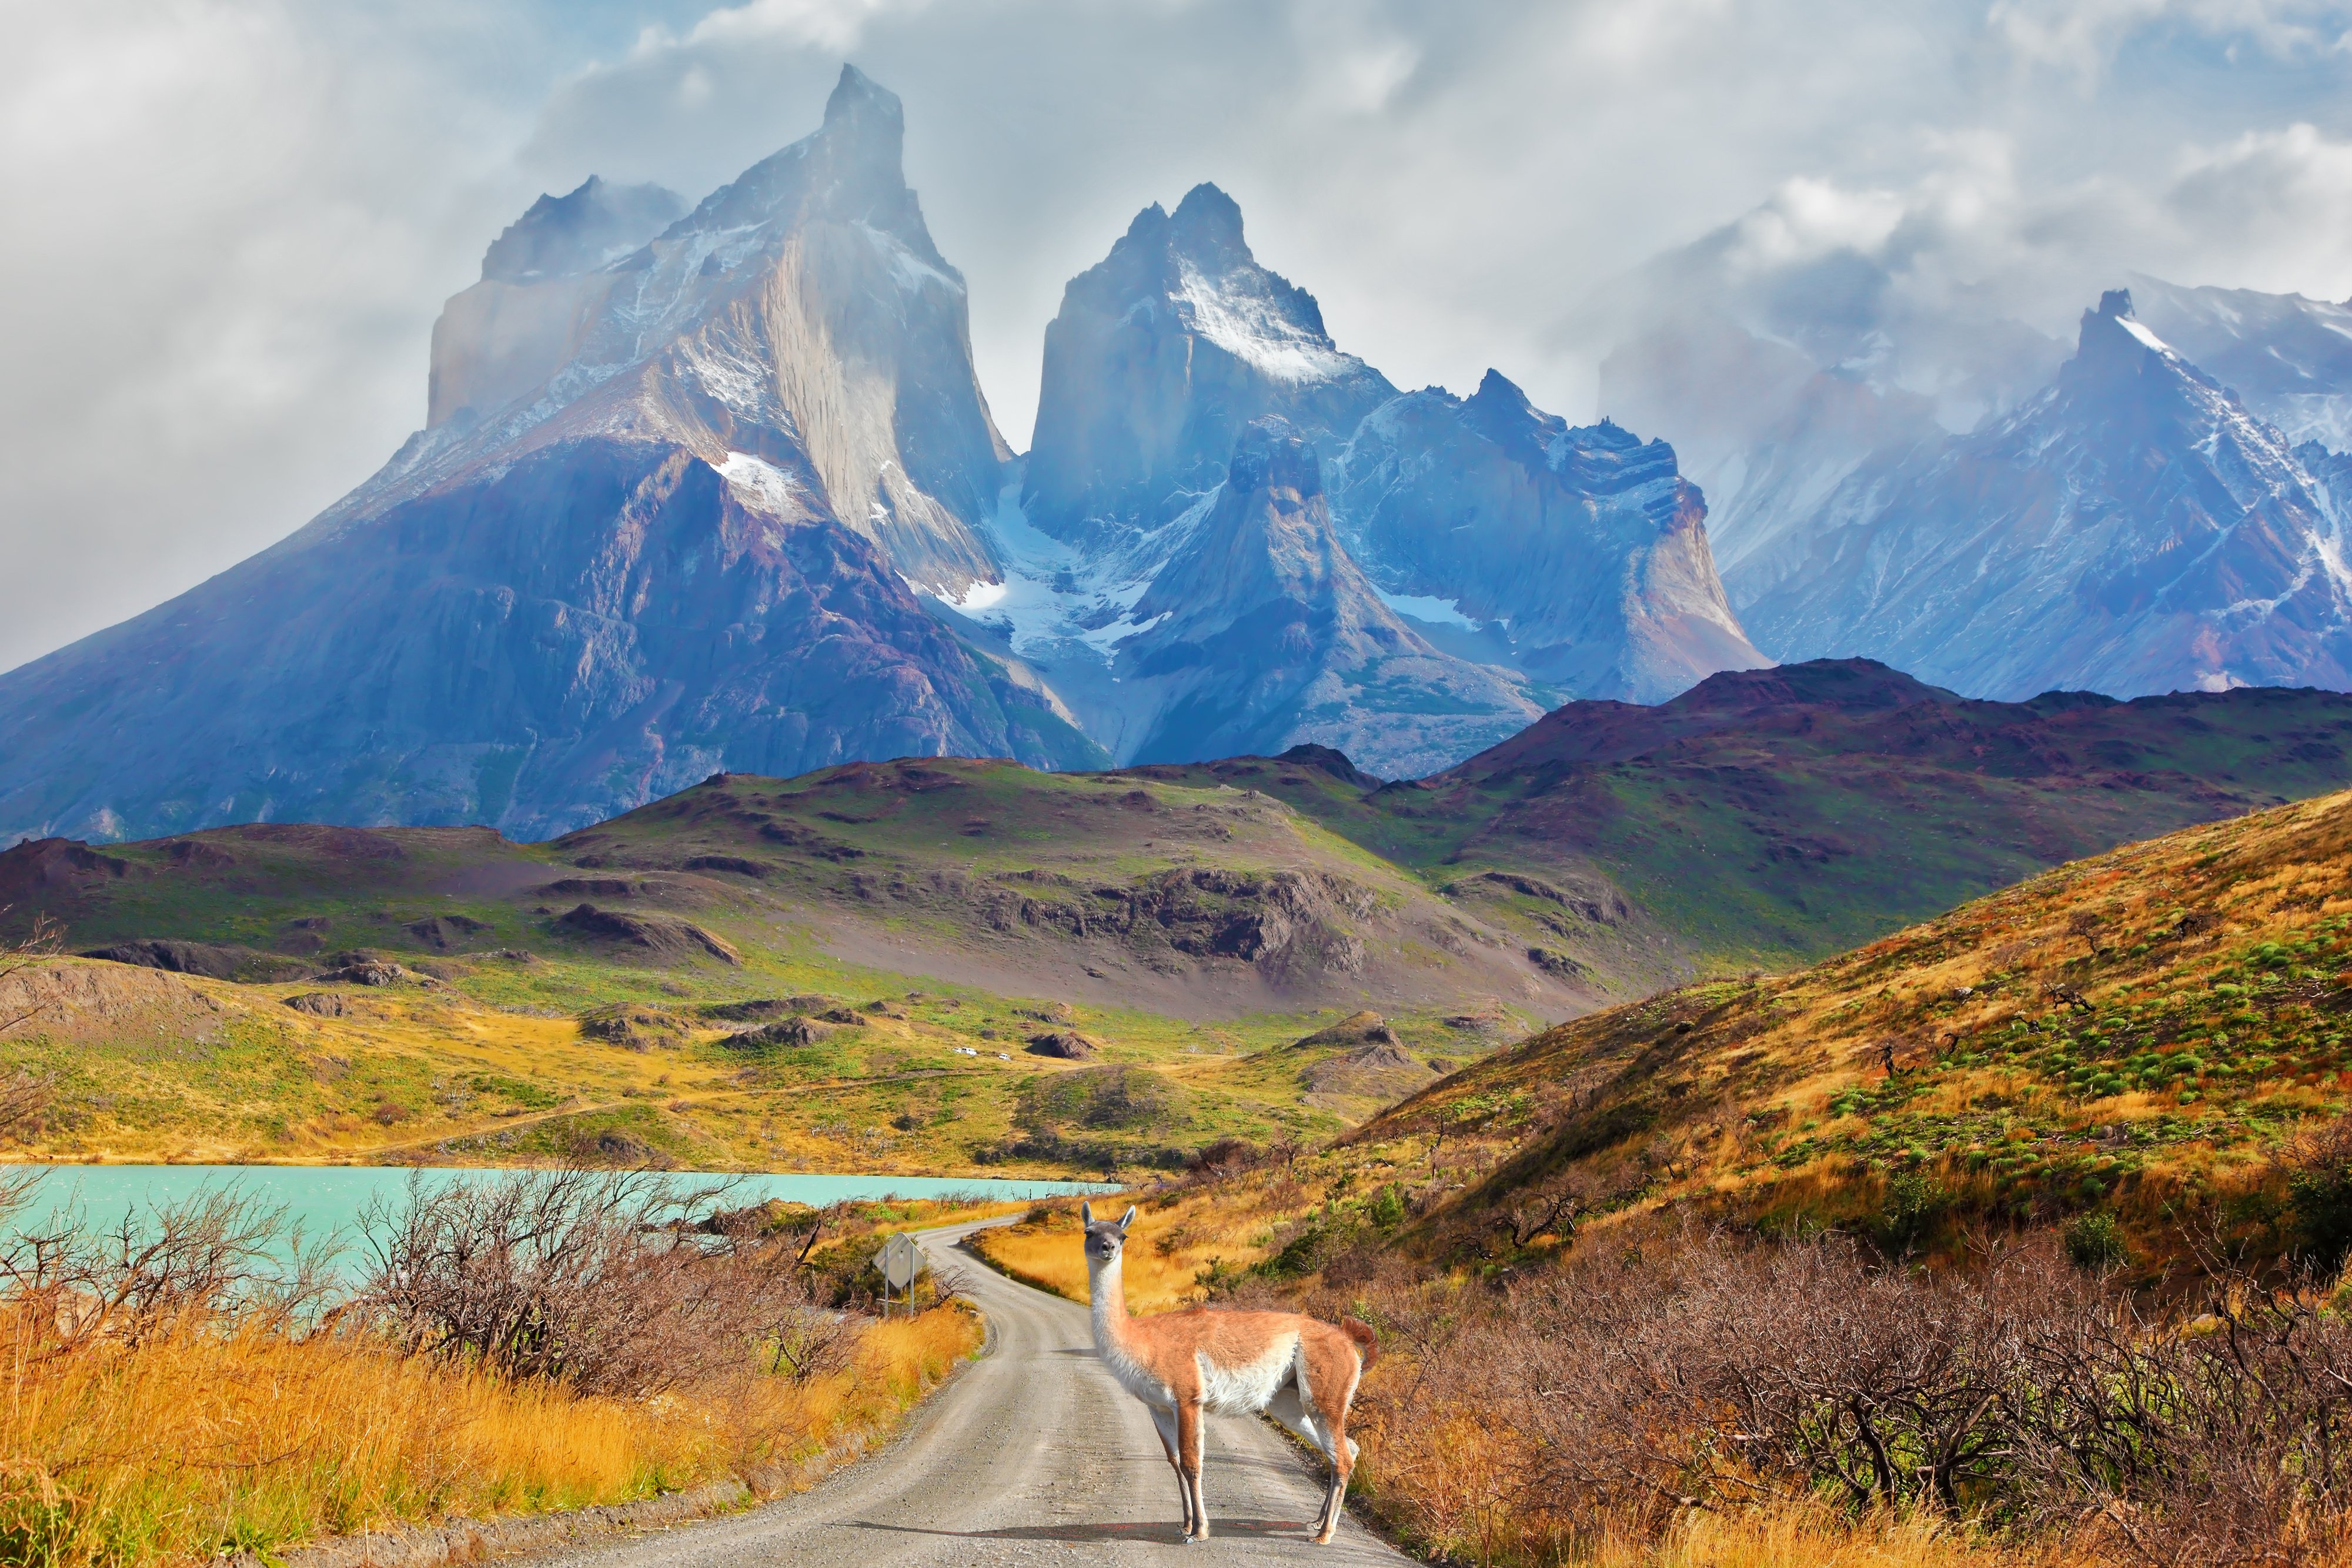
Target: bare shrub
[[221, 1255], [2319, 1192], [591, 1278], [1672, 1371], [2217, 1440]]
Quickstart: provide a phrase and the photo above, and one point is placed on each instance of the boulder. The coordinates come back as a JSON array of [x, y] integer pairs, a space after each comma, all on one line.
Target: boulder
[[1064, 1044]]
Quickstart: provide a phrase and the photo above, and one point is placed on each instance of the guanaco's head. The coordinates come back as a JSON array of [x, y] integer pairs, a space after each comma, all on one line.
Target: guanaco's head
[[1104, 1237]]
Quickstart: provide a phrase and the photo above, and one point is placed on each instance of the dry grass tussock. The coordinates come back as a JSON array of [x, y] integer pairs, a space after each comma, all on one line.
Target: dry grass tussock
[[188, 1386]]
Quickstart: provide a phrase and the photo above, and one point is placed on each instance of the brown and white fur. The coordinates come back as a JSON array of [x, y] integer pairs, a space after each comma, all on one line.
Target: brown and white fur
[[1184, 1365]]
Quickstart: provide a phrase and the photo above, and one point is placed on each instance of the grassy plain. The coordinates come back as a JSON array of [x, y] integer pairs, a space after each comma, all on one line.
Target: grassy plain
[[511, 1031]]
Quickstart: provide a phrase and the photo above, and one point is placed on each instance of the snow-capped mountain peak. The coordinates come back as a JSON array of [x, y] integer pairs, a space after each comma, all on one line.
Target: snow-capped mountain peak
[[1161, 354], [2131, 530]]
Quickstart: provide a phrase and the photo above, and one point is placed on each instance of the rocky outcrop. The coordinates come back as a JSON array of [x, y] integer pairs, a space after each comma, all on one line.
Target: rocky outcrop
[[1578, 556], [657, 936], [218, 961], [1159, 357], [1358, 1028], [1062, 1045], [1263, 634]]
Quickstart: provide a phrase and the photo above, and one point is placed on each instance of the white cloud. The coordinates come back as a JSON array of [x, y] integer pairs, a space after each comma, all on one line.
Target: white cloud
[[231, 221], [2082, 36]]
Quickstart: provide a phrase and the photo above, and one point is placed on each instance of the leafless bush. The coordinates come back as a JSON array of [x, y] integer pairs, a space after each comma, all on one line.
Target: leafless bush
[[595, 1279], [221, 1255], [1700, 1371], [2221, 1441]]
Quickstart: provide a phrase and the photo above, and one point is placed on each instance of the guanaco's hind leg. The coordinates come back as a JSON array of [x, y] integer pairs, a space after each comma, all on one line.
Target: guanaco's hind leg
[[1188, 1455], [1164, 1422]]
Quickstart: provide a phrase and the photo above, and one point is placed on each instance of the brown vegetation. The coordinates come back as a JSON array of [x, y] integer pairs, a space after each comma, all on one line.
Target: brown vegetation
[[191, 1383], [2009, 1238]]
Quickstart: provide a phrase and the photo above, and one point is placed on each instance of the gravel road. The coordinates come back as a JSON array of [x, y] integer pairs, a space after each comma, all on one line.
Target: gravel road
[[1032, 1455]]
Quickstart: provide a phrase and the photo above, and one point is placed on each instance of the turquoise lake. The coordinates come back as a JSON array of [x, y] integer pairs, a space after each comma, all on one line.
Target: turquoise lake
[[324, 1198]]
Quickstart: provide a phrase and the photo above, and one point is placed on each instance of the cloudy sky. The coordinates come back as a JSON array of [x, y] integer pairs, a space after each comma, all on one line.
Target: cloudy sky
[[232, 222]]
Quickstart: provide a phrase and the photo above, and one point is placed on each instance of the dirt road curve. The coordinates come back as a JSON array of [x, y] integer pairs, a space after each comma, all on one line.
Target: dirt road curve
[[1033, 1455]]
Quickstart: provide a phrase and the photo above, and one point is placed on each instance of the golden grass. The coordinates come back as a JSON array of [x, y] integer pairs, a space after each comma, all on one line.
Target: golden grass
[[1173, 1242], [195, 1441], [1802, 1535]]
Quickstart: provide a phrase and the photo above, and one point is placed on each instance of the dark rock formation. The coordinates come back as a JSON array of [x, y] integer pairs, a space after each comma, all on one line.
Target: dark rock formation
[[1063, 1044], [1263, 634], [218, 961], [1578, 556], [663, 938]]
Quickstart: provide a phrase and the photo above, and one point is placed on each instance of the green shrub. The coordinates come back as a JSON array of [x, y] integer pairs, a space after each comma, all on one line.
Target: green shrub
[[2096, 1242], [2319, 1194]]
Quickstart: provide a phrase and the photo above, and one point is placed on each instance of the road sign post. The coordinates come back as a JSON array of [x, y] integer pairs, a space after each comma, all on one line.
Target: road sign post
[[900, 1263]]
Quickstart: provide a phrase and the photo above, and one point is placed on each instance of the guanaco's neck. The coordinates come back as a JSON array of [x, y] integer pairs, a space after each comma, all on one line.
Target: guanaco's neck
[[1106, 1293]]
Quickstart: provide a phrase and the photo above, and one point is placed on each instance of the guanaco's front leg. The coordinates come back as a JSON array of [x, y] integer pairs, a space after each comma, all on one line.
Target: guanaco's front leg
[[1188, 1456], [1164, 1423]]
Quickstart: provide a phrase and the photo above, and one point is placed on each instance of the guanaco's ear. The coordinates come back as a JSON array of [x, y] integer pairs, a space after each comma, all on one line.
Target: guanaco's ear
[[1087, 1212], [1127, 1220]]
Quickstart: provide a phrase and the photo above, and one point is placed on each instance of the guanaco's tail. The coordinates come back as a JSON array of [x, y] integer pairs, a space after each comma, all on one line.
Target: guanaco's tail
[[1367, 1346]]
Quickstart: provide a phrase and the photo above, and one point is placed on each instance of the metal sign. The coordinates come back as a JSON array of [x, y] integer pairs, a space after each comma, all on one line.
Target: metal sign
[[900, 1263]]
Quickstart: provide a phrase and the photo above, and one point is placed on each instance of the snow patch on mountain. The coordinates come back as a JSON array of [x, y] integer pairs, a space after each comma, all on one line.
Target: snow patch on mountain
[[1256, 330], [1053, 599], [1428, 607], [763, 486], [2146, 337]]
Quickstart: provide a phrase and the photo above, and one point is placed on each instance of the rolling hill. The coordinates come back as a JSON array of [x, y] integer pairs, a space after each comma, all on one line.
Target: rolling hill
[[1113, 971], [2138, 1038], [905, 929]]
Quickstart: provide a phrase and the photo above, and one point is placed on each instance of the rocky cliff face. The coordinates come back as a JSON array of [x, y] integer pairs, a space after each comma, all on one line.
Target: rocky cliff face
[[2289, 358], [1578, 556], [544, 282], [1262, 633], [1161, 354], [2132, 530], [1503, 558], [684, 548], [716, 489]]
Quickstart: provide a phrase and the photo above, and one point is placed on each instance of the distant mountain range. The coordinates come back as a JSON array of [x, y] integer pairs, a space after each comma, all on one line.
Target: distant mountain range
[[1940, 487], [717, 490], [714, 488]]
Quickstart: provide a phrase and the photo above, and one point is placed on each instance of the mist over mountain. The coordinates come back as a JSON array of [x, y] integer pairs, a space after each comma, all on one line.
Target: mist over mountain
[[1868, 430]]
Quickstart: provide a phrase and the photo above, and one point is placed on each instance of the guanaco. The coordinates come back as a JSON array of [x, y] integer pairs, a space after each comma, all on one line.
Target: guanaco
[[1183, 1364]]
